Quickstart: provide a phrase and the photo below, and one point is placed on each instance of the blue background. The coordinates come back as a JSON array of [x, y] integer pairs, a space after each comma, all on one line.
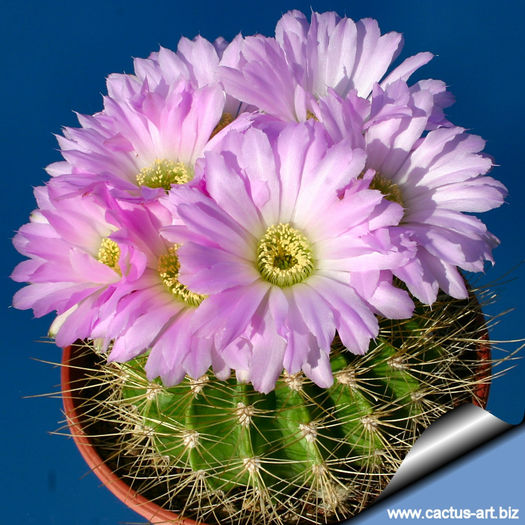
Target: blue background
[[55, 57]]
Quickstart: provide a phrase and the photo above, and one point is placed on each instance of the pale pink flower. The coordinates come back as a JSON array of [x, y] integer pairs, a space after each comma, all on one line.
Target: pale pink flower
[[287, 221]]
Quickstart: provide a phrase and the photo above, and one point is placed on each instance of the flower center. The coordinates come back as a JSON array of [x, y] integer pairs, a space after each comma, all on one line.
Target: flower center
[[389, 189], [284, 256], [109, 254], [164, 173], [168, 268]]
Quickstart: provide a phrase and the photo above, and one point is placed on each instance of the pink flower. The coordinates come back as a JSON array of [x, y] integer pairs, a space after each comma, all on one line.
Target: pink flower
[[143, 143], [196, 61], [286, 224], [154, 126], [285, 76], [153, 310], [439, 178], [436, 177], [74, 264], [109, 275]]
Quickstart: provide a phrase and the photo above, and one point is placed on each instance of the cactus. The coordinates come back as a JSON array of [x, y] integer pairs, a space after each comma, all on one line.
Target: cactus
[[220, 452]]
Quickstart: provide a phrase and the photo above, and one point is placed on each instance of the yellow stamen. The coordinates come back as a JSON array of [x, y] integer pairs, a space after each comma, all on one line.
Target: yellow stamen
[[164, 173], [168, 268], [311, 116], [389, 189], [284, 256], [109, 254], [227, 118]]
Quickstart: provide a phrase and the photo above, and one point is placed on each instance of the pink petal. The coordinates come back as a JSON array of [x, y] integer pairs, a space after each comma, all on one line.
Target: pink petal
[[407, 67], [355, 323], [267, 359], [320, 371], [206, 269], [227, 315]]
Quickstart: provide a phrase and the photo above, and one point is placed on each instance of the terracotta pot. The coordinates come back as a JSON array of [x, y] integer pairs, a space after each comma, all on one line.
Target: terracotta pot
[[148, 509], [482, 391], [71, 372]]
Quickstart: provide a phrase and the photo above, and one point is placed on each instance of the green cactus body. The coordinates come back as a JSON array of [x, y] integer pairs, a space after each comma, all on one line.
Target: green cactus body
[[218, 451]]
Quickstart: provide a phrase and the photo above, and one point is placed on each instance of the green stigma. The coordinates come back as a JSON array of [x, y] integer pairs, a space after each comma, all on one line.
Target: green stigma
[[164, 173], [168, 268], [389, 189], [284, 256], [109, 254]]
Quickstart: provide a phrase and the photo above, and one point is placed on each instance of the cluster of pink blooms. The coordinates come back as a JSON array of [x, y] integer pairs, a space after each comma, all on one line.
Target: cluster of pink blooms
[[235, 205]]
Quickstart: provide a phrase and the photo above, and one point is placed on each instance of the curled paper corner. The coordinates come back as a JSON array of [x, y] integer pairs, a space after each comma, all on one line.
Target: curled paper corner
[[450, 437]]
